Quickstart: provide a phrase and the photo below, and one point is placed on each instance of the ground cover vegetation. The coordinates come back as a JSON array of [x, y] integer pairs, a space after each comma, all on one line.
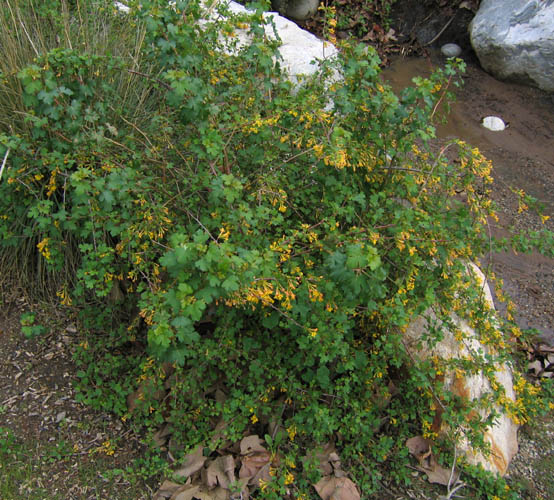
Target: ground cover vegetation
[[244, 255]]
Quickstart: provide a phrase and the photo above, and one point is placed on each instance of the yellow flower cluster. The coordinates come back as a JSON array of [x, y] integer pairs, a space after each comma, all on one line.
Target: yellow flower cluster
[[338, 159], [107, 447], [65, 298], [52, 183], [401, 240], [43, 248], [254, 126]]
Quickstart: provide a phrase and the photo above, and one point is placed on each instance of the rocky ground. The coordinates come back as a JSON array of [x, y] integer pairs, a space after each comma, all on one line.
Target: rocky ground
[[57, 448]]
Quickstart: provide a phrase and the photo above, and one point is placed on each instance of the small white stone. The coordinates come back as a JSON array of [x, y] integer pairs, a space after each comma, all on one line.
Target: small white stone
[[451, 50], [493, 123]]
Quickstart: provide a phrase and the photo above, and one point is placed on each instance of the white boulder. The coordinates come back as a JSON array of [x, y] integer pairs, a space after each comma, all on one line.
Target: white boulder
[[502, 436], [299, 48], [514, 40]]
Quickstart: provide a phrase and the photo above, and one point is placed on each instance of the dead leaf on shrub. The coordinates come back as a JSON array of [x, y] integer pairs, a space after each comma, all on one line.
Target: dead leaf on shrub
[[167, 489], [192, 463], [220, 471], [337, 488], [251, 444], [161, 436], [146, 391], [420, 448], [253, 463], [262, 475], [196, 492], [255, 460], [216, 440]]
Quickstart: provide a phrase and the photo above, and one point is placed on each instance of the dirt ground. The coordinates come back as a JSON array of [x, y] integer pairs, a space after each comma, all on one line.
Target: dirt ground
[[64, 439], [51, 446]]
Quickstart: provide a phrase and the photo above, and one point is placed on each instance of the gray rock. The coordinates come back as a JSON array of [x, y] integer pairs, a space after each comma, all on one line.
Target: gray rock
[[301, 10], [451, 50], [514, 40]]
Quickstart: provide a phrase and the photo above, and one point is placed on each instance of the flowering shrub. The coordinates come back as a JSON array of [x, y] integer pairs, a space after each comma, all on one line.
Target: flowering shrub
[[245, 254]]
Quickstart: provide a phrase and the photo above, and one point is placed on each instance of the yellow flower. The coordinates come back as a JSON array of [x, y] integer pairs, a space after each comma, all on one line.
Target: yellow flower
[[291, 431], [263, 484], [43, 248], [224, 233]]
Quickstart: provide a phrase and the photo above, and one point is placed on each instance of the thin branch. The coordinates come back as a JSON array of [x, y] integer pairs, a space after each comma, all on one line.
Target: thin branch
[[453, 469], [437, 36], [4, 163], [157, 80], [136, 128], [29, 38], [392, 167]]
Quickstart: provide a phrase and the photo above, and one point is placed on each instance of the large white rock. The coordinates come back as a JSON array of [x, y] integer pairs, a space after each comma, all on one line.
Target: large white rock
[[299, 48], [502, 436], [514, 40]]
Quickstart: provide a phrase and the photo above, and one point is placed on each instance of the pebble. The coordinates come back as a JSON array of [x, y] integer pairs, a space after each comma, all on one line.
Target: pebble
[[493, 123], [451, 50]]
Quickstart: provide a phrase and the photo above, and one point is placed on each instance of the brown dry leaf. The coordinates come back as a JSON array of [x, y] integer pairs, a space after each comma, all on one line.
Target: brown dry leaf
[[167, 489], [389, 36], [337, 488], [252, 463], [251, 444], [420, 448], [438, 474], [161, 436], [229, 467], [196, 492], [220, 471], [535, 368], [262, 475], [192, 463]]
